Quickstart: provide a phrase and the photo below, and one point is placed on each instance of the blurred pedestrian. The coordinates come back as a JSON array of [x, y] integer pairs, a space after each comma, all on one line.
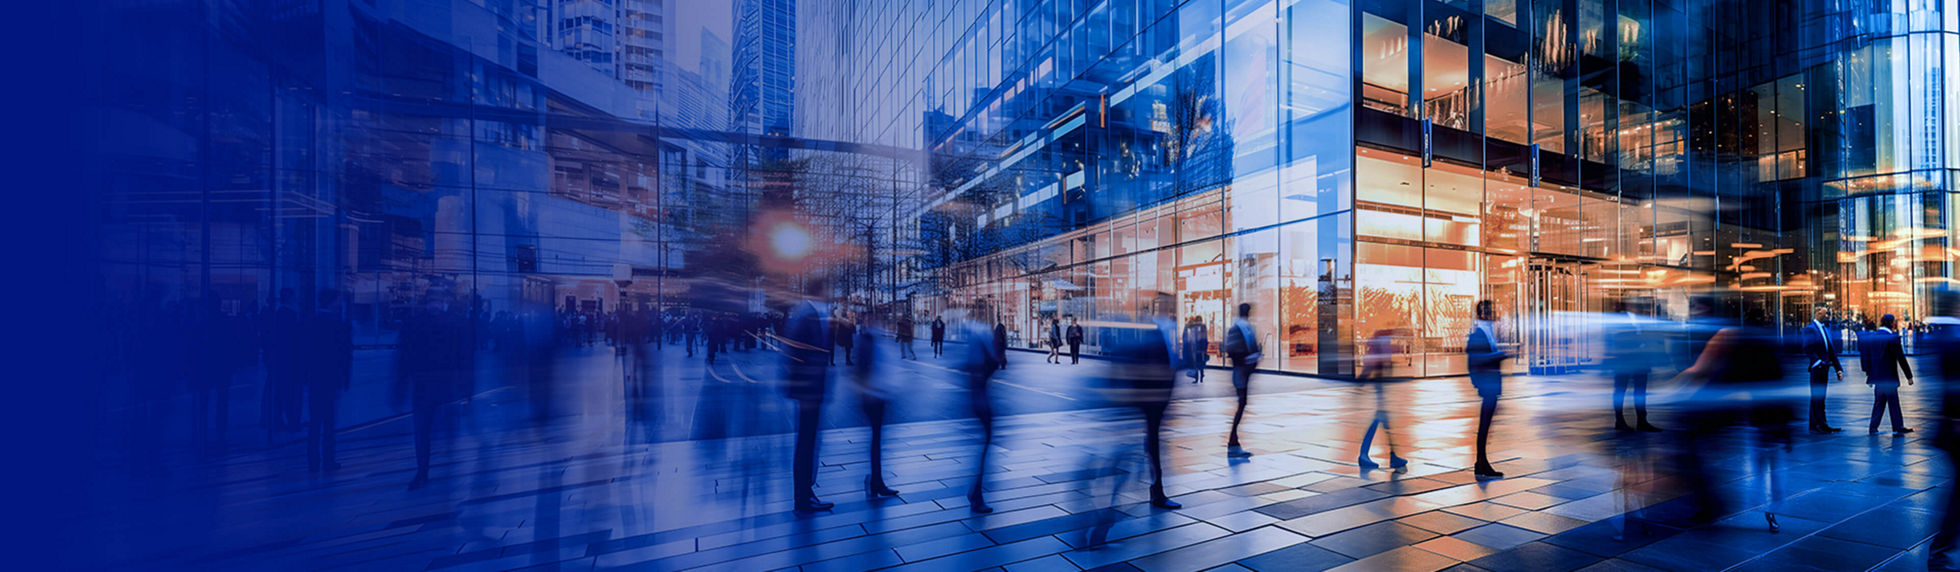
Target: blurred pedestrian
[[1486, 360], [1159, 359], [1883, 358], [873, 392], [1197, 348], [905, 333], [983, 359], [1000, 344], [938, 336], [280, 338], [1821, 346], [1074, 336], [1736, 379], [434, 362], [330, 342], [1054, 340], [1377, 369], [1942, 340], [806, 345], [1630, 354], [1242, 345]]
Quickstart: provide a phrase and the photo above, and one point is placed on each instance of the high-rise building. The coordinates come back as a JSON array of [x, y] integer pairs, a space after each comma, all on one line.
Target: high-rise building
[[1357, 168]]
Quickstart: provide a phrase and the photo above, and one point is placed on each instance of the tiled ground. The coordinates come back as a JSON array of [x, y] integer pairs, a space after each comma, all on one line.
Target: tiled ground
[[601, 490]]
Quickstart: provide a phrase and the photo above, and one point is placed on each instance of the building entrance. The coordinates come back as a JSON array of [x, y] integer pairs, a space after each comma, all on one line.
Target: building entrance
[[1562, 306]]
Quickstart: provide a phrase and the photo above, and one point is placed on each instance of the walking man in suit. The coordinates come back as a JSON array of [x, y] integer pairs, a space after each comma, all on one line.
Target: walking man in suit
[[1942, 337], [1242, 345], [1000, 344], [983, 359], [1820, 350], [807, 347], [1883, 359], [938, 336], [1631, 355], [1485, 359], [1074, 335]]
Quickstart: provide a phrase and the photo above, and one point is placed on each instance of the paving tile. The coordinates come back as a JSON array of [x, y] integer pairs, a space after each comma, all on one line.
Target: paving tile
[[1220, 551], [1145, 545], [1461, 550], [1373, 539], [1499, 536], [1537, 556], [1407, 558], [1299, 557], [1016, 556], [1821, 553], [1486, 511], [1441, 522], [1543, 523], [1050, 563]]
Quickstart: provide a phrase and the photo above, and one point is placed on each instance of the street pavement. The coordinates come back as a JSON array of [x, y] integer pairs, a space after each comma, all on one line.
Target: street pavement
[[697, 477]]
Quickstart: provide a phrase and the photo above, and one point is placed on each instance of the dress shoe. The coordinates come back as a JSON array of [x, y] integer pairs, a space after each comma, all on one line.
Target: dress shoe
[[1902, 431], [1165, 503], [1397, 463], [1833, 429], [1773, 525], [878, 489], [1367, 464], [1649, 428], [812, 505], [419, 481], [979, 507], [1623, 427], [1488, 473], [1237, 452]]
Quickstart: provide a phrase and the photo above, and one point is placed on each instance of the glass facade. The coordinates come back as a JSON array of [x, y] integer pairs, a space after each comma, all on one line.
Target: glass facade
[[1379, 166]]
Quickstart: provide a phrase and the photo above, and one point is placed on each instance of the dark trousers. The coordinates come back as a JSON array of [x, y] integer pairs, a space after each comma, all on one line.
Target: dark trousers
[[320, 445], [1075, 351], [1153, 424], [905, 349], [874, 413], [425, 428], [1638, 382], [983, 411], [1819, 380], [938, 347], [805, 473], [1484, 415], [1242, 385], [1886, 396], [1943, 553]]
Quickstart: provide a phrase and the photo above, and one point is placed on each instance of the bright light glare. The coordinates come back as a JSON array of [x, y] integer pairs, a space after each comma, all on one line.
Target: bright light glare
[[790, 241]]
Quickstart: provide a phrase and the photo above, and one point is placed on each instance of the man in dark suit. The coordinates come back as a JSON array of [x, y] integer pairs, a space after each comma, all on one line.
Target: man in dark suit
[[330, 341], [1074, 336], [1000, 343], [1486, 359], [1631, 356], [807, 344], [938, 336], [435, 368], [1883, 358], [1158, 357], [1242, 345], [1820, 350]]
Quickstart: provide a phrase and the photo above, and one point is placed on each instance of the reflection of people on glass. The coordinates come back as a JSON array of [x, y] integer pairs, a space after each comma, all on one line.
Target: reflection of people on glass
[[1054, 340], [1377, 369], [1485, 360]]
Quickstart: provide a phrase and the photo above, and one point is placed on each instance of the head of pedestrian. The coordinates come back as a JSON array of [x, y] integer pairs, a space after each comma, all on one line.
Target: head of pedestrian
[[1887, 321], [1486, 310], [1245, 310], [1821, 314]]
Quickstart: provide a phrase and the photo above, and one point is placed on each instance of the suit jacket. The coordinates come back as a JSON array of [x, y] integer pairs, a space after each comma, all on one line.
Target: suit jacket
[[1485, 360], [1000, 341], [330, 340], [1074, 333], [1821, 345], [1883, 357], [807, 339], [938, 329], [1238, 345]]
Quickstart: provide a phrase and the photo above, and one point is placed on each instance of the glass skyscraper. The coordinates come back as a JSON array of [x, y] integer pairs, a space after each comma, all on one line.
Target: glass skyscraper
[[1355, 168]]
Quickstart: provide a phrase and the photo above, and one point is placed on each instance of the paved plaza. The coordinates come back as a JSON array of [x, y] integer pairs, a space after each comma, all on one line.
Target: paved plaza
[[699, 479]]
